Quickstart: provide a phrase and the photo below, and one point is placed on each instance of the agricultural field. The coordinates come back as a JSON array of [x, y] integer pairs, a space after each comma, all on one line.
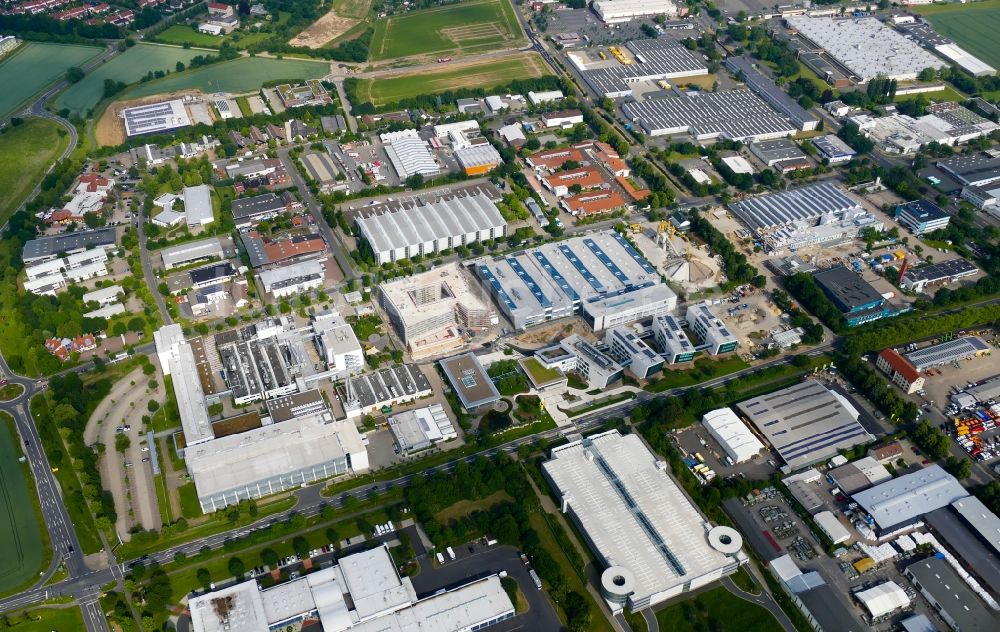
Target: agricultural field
[[474, 26], [128, 67], [481, 74], [344, 15], [973, 26], [28, 150], [35, 65], [19, 529], [237, 75]]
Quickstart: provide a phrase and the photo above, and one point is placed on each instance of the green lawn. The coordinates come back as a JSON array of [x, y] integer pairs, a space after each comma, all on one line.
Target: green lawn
[[48, 620], [190, 505], [539, 373], [20, 530], [948, 94], [127, 67], [237, 75], [718, 610], [28, 150], [10, 391], [35, 65], [973, 26], [358, 9], [485, 75], [476, 25], [704, 369], [180, 34]]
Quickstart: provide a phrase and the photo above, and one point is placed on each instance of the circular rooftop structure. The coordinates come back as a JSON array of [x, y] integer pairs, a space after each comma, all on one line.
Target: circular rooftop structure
[[725, 540], [617, 583]]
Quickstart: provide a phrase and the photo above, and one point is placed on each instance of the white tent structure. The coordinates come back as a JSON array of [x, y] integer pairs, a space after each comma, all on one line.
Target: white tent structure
[[739, 442], [882, 599]]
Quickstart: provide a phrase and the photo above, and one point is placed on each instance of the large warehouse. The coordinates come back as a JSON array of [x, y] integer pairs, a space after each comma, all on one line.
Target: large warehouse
[[651, 540], [51, 246], [739, 442], [813, 214], [851, 294], [653, 59], [412, 228], [806, 423], [600, 275], [770, 92], [615, 11], [362, 593], [429, 309], [734, 115], [940, 273], [901, 501], [409, 154], [947, 352], [866, 47]]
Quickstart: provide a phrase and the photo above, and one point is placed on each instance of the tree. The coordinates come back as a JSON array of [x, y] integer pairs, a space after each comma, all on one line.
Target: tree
[[204, 578], [153, 406], [927, 74], [74, 74], [270, 557], [236, 567]]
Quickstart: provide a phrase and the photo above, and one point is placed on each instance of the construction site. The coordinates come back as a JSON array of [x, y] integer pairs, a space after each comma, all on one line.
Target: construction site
[[686, 265]]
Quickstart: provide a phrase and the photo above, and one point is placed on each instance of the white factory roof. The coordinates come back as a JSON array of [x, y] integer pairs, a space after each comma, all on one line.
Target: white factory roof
[[729, 430], [980, 519], [478, 156], [375, 586], [107, 311], [228, 462], [866, 46], [633, 512], [439, 220], [242, 604], [903, 499], [171, 346], [883, 599], [154, 118], [965, 59], [738, 164], [177, 255], [410, 155], [287, 274], [806, 203], [612, 9], [832, 527], [947, 352], [444, 129], [198, 205]]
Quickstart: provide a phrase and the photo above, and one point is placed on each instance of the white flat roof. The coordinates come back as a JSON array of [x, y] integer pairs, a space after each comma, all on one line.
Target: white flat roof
[[198, 204], [183, 369], [832, 527], [236, 608], [176, 255], [374, 584], [733, 434], [910, 496], [155, 117], [591, 475], [103, 293]]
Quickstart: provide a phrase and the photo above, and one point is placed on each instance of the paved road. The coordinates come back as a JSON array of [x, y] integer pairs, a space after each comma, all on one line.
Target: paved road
[[764, 600], [147, 269]]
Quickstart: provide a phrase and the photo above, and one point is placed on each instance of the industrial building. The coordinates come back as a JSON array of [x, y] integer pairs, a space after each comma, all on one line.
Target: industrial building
[[104, 296], [978, 169], [470, 381], [738, 115], [858, 475], [715, 336], [866, 47], [830, 525], [652, 60], [600, 275], [409, 154], [263, 360], [810, 215], [822, 606], [736, 439], [616, 11], [428, 310], [49, 276], [945, 124], [782, 154], [631, 352], [901, 501], [834, 150], [48, 247], [478, 160], [265, 251], [805, 486], [852, 295], [198, 206], [921, 216], [674, 344], [424, 228], [918, 279], [212, 274], [420, 428], [321, 169], [293, 278], [191, 252], [370, 393], [251, 211], [766, 89], [948, 352], [337, 343], [363, 592], [900, 371], [573, 353], [651, 541], [883, 599], [155, 118], [971, 531], [806, 423], [949, 596], [984, 198]]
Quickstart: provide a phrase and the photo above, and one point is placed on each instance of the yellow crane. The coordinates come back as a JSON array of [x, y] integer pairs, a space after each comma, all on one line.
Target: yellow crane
[[635, 228]]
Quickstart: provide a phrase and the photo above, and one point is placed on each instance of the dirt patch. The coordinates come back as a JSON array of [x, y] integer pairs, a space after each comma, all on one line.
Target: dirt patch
[[110, 130], [324, 30], [545, 335]]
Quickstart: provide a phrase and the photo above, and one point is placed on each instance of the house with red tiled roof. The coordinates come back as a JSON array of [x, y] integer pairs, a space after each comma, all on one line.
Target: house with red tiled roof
[[887, 453], [553, 159], [585, 178], [903, 374], [56, 348], [593, 203]]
